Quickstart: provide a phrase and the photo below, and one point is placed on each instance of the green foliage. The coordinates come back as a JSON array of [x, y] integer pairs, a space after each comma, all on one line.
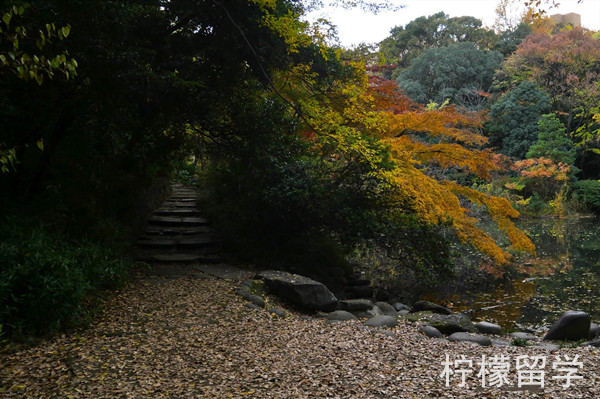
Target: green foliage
[[186, 171], [23, 55], [522, 342], [46, 282], [514, 119], [588, 193], [406, 43], [552, 142], [509, 40], [460, 72], [26, 58]]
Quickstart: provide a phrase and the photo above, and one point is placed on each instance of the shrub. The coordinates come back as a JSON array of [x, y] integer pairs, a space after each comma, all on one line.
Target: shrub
[[46, 281], [588, 193]]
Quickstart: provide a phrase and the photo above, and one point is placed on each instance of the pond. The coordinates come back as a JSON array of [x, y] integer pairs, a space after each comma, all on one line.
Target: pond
[[564, 276]]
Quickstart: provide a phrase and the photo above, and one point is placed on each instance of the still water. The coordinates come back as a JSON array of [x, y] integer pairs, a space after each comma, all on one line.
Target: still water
[[564, 276]]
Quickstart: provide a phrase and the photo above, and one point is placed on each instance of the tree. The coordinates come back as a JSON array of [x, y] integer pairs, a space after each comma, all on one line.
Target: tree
[[420, 139], [563, 64], [507, 18], [552, 142], [509, 40], [406, 43], [514, 119], [152, 76], [26, 58], [460, 73]]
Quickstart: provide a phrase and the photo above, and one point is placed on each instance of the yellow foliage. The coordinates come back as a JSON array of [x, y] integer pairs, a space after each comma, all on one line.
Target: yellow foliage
[[418, 138]]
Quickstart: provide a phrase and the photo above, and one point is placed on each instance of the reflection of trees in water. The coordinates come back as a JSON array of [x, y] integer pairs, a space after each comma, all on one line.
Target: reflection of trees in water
[[564, 276]]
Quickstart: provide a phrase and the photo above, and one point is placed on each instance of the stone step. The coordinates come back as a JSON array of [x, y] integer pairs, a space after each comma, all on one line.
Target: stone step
[[179, 205], [196, 242], [184, 199], [183, 242], [178, 230], [178, 221], [156, 243], [177, 212], [186, 258]]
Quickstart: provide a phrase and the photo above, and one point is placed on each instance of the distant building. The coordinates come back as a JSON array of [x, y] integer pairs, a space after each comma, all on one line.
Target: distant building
[[572, 19]]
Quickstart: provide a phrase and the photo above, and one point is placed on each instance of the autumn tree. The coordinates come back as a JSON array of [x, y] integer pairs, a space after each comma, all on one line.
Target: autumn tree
[[422, 140], [564, 65], [451, 141]]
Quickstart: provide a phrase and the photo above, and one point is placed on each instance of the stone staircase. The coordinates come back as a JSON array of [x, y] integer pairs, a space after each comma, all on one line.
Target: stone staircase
[[177, 232]]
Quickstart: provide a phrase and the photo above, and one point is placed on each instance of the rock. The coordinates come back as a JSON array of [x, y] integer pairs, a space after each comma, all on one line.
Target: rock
[[386, 308], [245, 293], [341, 315], [299, 290], [572, 326], [499, 343], [278, 312], [258, 301], [523, 335], [431, 332], [546, 345], [251, 287], [421, 306], [369, 314], [594, 330], [382, 321], [595, 343], [469, 337], [359, 292], [355, 304], [251, 306], [246, 283], [400, 306], [446, 324], [403, 312], [485, 327]]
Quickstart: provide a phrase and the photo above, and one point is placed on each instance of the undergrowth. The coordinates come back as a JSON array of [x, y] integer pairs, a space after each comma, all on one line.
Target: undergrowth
[[48, 282]]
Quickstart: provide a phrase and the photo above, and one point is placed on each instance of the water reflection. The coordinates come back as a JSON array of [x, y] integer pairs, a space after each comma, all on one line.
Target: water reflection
[[564, 276]]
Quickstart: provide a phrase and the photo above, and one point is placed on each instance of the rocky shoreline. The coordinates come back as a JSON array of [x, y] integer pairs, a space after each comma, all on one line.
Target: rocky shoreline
[[433, 320]]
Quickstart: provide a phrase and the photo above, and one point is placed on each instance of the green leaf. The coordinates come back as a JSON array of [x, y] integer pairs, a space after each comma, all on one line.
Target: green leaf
[[40, 144], [66, 30], [6, 18]]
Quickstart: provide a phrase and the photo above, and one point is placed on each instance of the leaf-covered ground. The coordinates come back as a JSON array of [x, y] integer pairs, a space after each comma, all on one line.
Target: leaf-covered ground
[[194, 338]]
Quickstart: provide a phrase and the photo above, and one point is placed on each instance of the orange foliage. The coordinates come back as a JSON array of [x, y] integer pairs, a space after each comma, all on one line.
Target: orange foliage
[[422, 140], [539, 168], [446, 137]]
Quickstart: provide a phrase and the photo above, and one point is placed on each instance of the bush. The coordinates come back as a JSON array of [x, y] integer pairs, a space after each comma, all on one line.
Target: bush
[[587, 192], [46, 281]]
